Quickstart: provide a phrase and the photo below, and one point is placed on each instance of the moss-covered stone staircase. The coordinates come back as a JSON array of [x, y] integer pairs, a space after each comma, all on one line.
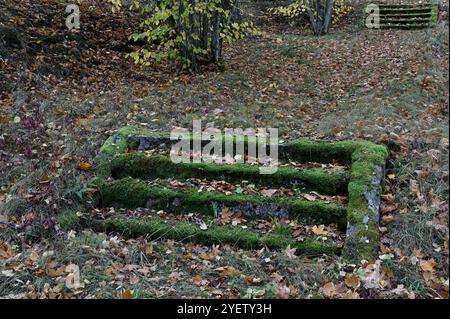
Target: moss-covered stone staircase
[[408, 16], [125, 172]]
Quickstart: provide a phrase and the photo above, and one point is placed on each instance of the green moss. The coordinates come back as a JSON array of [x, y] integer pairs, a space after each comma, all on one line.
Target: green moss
[[115, 144], [138, 165], [68, 219], [156, 228], [322, 152], [132, 193]]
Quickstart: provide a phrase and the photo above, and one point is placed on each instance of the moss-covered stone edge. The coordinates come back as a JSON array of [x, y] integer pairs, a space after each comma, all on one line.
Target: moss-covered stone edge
[[156, 228], [363, 210]]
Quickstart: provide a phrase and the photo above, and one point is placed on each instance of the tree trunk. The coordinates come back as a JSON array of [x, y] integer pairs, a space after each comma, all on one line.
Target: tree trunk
[[320, 13]]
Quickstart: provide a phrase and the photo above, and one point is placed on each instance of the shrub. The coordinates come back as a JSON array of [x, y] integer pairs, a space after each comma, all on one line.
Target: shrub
[[189, 31]]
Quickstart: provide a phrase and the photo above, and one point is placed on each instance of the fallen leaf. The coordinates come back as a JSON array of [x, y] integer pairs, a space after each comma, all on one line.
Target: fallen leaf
[[268, 192], [428, 265], [309, 197], [85, 166], [352, 281], [127, 294], [73, 278], [283, 291], [44, 179], [290, 252], [197, 280], [228, 271], [319, 230], [328, 290], [404, 293], [387, 208], [6, 251]]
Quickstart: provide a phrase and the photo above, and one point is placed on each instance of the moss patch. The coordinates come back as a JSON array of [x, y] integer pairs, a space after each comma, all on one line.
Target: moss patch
[[68, 219], [115, 144]]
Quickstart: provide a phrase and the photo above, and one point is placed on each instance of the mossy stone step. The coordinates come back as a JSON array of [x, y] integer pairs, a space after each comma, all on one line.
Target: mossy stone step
[[407, 15], [138, 165], [407, 6], [404, 21], [405, 11], [158, 229], [361, 215], [406, 26], [134, 193]]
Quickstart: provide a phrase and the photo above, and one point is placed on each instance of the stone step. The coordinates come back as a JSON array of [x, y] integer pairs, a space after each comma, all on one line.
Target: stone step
[[404, 21], [405, 11], [139, 165], [408, 15], [360, 218], [133, 193], [406, 26], [406, 6], [156, 228]]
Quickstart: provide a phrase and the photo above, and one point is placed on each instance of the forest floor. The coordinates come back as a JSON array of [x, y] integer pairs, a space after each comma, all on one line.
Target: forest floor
[[63, 93]]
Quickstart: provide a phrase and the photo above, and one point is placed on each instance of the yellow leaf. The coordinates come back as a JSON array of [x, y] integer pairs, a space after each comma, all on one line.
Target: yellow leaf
[[319, 230], [85, 166]]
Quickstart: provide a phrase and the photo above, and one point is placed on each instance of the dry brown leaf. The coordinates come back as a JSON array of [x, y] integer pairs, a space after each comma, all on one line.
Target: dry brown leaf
[[197, 280], [428, 265], [6, 251], [319, 230], [352, 281], [127, 294], [388, 198], [387, 208], [228, 271], [328, 290], [44, 179]]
